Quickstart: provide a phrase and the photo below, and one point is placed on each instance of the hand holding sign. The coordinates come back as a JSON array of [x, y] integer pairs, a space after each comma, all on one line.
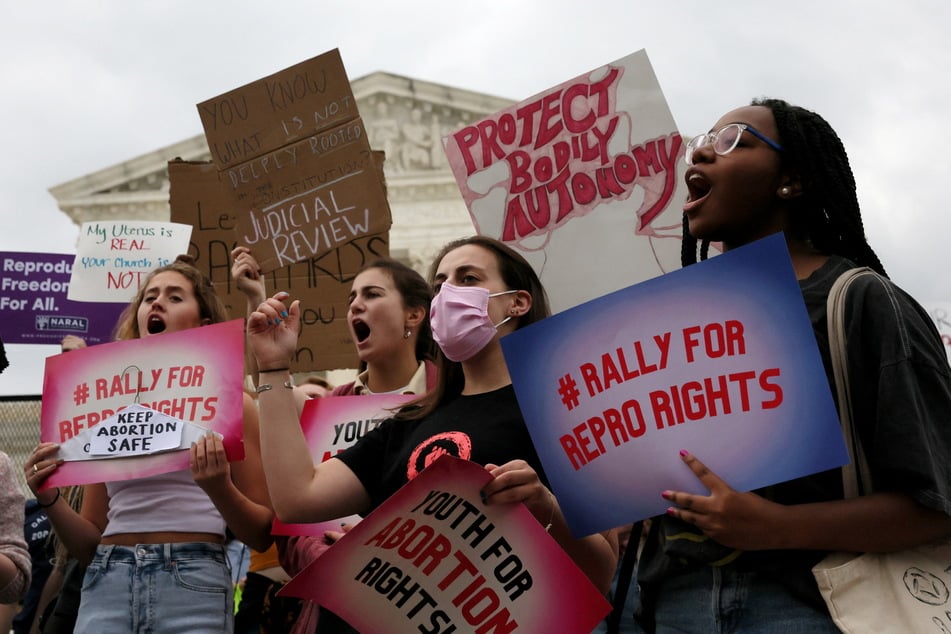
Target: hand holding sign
[[745, 521], [41, 466], [516, 481], [637, 375], [209, 463]]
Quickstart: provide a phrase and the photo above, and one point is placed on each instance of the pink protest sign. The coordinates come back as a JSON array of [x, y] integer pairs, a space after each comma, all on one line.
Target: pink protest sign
[[331, 424], [194, 376], [592, 162], [433, 557]]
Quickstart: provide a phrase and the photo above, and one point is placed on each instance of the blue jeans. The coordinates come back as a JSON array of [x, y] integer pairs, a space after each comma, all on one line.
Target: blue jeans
[[158, 589], [718, 600]]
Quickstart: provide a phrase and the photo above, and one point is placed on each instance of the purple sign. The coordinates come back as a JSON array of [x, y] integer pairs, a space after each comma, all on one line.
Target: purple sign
[[33, 304]]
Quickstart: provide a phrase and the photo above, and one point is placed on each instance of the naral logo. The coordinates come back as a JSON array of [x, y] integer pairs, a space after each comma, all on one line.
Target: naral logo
[[57, 322]]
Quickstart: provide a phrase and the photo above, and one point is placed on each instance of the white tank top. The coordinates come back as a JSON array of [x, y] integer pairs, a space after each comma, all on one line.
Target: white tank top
[[170, 502]]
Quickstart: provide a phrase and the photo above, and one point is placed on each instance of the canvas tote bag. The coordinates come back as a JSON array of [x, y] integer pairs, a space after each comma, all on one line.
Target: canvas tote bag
[[906, 591]]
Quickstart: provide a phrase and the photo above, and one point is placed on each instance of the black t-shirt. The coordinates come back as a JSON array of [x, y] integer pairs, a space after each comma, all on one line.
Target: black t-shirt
[[484, 428], [901, 399]]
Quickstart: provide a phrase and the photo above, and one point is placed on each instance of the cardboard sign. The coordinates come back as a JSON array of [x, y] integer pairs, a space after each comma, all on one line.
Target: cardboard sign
[[114, 257], [594, 162], [322, 284], [295, 160], [433, 557], [194, 375], [332, 424], [196, 198], [718, 358], [269, 113], [34, 307]]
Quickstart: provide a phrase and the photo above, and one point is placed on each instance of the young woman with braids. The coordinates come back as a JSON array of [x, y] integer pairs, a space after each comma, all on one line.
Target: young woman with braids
[[741, 562]]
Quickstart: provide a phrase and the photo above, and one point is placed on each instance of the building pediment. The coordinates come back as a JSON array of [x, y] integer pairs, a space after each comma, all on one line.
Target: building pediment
[[404, 117]]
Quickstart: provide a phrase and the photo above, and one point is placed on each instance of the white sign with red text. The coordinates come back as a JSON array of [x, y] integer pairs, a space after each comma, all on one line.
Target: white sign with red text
[[434, 558]]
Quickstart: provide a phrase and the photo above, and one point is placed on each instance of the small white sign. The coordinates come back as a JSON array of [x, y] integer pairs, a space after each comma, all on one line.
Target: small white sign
[[136, 431], [114, 257]]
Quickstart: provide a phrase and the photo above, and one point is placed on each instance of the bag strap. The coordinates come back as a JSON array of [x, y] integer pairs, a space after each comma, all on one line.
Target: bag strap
[[857, 471], [624, 578]]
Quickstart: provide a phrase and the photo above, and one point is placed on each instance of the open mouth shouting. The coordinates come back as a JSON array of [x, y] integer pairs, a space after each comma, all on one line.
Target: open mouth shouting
[[698, 188], [155, 325], [360, 330]]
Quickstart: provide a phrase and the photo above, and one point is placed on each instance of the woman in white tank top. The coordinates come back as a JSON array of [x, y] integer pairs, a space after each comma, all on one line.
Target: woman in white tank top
[[155, 546]]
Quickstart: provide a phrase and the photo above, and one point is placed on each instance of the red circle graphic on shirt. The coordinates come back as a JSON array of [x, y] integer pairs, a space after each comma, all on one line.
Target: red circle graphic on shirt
[[454, 443]]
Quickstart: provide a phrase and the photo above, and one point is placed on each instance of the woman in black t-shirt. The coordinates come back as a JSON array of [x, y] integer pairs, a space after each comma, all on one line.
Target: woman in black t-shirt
[[484, 290], [742, 560]]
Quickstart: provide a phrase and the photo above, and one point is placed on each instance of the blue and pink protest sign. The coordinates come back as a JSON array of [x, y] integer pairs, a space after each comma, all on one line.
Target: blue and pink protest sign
[[718, 359], [434, 558], [330, 425], [34, 307], [103, 402]]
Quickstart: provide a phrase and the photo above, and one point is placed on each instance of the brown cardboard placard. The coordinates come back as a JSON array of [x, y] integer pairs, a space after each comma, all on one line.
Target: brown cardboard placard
[[279, 109], [198, 197], [294, 156], [327, 192]]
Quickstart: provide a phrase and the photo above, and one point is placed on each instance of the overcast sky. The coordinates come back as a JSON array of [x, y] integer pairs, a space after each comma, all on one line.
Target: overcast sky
[[87, 85]]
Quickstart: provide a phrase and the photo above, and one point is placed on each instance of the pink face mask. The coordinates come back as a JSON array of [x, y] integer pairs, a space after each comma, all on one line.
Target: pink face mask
[[459, 316]]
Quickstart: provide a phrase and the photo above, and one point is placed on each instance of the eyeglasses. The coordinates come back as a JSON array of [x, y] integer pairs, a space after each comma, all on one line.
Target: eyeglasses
[[726, 139]]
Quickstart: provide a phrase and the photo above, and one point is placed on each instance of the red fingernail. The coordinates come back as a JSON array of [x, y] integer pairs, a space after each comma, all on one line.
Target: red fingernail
[[684, 453], [671, 510], [666, 495]]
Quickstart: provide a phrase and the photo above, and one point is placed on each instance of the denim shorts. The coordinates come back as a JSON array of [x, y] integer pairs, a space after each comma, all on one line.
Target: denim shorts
[[158, 588]]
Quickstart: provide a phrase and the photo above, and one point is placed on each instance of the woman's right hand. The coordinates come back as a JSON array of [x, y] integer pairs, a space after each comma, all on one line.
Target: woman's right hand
[[72, 342], [39, 466], [247, 275], [273, 330]]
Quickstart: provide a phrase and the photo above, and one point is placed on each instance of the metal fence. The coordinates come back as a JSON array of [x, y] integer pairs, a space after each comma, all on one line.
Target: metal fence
[[19, 430]]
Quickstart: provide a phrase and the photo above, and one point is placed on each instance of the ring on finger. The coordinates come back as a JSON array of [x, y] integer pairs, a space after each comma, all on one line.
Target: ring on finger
[[35, 468]]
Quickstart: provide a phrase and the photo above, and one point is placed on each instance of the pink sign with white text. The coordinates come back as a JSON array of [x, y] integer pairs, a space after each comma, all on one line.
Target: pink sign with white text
[[434, 558], [105, 403], [330, 425]]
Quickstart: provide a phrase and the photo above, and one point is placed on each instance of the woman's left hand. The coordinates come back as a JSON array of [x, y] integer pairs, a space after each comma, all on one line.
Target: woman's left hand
[[209, 463], [738, 520], [517, 481]]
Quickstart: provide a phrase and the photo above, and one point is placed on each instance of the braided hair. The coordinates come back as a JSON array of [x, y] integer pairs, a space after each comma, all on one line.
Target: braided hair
[[827, 213]]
